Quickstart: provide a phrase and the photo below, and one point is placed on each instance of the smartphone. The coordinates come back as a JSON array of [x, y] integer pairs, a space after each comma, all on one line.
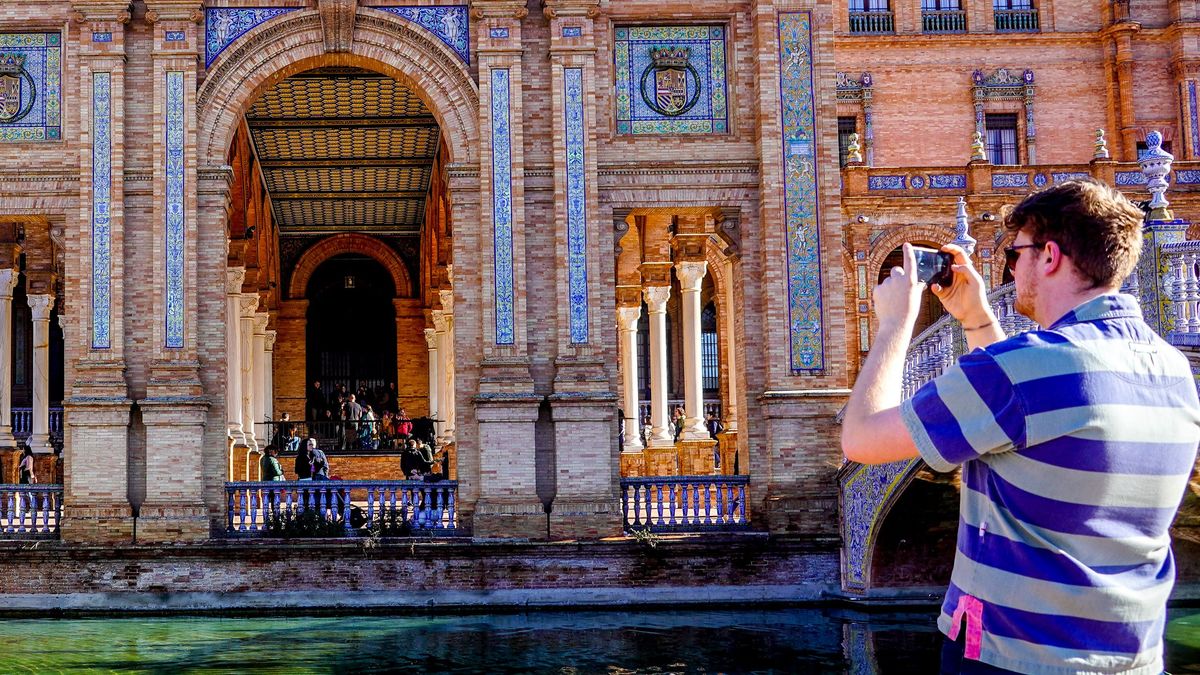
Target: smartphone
[[933, 267]]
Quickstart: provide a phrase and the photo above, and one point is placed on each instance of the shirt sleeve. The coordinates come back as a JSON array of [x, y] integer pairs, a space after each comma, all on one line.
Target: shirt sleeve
[[968, 411]]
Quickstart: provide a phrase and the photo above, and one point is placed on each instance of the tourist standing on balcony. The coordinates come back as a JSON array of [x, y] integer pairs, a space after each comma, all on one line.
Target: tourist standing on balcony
[[317, 403], [318, 462], [1076, 443], [25, 468], [304, 460], [271, 470]]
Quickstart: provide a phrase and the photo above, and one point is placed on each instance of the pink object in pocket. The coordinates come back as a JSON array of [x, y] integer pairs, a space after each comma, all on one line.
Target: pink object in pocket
[[972, 607]]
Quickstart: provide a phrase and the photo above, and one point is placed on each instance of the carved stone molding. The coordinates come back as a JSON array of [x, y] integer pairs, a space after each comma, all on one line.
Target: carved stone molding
[[431, 339], [337, 23], [656, 298], [499, 9], [729, 230], [691, 274], [627, 317], [553, 9], [620, 227], [189, 11], [234, 278], [88, 11]]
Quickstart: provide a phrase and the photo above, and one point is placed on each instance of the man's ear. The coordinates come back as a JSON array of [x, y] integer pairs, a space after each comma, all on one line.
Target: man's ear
[[1051, 257]]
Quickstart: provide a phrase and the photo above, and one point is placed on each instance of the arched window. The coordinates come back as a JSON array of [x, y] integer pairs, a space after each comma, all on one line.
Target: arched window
[[709, 353]]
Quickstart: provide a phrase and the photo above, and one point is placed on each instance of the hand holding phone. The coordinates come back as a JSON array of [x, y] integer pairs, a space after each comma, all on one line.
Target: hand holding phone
[[934, 267]]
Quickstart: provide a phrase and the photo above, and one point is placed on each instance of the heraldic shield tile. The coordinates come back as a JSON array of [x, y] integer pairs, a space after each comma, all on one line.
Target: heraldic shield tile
[[671, 80], [30, 87]]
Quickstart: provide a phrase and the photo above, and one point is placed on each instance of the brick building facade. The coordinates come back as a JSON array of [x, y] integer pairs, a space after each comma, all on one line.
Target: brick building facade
[[525, 186]]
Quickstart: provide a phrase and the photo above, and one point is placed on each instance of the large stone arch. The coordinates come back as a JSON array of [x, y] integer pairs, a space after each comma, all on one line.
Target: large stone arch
[[349, 243], [893, 239], [295, 42]]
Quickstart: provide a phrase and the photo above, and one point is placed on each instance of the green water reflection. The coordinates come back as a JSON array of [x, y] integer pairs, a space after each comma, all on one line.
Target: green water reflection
[[764, 641]]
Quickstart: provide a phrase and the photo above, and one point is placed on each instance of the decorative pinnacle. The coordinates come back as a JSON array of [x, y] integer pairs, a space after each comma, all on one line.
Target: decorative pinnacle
[[962, 234], [977, 150], [1156, 164], [1101, 151], [853, 151]]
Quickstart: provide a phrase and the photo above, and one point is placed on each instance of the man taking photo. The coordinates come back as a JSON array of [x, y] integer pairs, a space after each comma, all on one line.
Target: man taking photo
[[1076, 443]]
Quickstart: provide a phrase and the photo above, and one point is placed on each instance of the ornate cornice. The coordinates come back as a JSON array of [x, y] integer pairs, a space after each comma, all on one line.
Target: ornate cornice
[[553, 9], [88, 11], [337, 23], [499, 9], [188, 11]]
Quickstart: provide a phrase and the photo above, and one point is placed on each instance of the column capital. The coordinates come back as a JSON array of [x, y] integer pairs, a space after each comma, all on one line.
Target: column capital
[[499, 9], [260, 323], [446, 296], [8, 282], [656, 298], [441, 320], [628, 317], [234, 278], [40, 306], [271, 335], [691, 274], [430, 339], [249, 304]]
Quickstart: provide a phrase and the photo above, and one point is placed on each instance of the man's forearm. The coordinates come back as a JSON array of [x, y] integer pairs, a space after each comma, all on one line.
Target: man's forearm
[[872, 431]]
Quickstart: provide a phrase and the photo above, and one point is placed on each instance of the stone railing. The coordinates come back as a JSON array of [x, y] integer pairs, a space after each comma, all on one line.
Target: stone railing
[[22, 422], [944, 21], [354, 505], [1181, 284], [685, 503], [985, 178], [872, 22], [1016, 20], [30, 511]]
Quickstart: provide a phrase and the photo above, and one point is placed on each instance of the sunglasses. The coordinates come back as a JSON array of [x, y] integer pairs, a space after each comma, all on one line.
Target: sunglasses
[[1013, 253]]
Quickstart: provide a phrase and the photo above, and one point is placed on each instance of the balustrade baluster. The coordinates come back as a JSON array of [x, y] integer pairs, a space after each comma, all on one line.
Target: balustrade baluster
[[625, 504], [346, 510], [254, 492], [451, 518], [1192, 292], [241, 495], [229, 496], [44, 512], [661, 520], [708, 515]]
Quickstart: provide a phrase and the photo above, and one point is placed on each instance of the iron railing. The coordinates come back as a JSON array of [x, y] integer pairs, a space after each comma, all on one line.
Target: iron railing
[[685, 503], [872, 22], [355, 505], [1016, 20], [944, 21], [30, 511], [341, 435]]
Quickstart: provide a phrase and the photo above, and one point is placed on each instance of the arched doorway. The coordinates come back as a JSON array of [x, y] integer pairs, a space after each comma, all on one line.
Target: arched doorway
[[931, 308]]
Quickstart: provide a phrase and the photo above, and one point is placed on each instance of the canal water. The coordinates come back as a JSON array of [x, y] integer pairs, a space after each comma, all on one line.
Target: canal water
[[702, 641]]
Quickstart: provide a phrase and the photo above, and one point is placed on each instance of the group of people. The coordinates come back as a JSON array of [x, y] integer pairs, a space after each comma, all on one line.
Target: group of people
[[363, 420], [417, 462]]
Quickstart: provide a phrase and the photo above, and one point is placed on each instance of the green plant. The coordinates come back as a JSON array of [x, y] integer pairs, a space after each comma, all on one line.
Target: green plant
[[302, 524], [645, 537]]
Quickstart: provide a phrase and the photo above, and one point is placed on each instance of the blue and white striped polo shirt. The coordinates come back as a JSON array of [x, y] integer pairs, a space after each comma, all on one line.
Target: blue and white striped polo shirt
[[1076, 444]]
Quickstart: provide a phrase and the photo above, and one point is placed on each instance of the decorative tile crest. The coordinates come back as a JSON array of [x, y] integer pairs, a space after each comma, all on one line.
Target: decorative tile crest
[[174, 210], [1187, 177], [917, 182], [572, 31], [502, 207], [175, 36], [851, 89], [576, 203], [101, 204], [1039, 179], [801, 212], [105, 36], [223, 25], [948, 181], [671, 80], [498, 33], [1010, 180], [887, 182], [1064, 176], [30, 87], [448, 23], [1130, 178]]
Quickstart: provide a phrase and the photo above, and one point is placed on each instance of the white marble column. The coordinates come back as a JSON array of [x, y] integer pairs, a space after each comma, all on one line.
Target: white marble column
[[269, 376], [234, 276], [431, 344], [259, 405], [628, 320], [443, 321], [249, 305], [8, 281], [730, 410], [40, 306], [656, 306], [691, 276]]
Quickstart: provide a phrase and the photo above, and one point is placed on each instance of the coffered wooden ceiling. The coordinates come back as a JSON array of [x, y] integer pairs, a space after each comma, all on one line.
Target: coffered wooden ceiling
[[343, 150]]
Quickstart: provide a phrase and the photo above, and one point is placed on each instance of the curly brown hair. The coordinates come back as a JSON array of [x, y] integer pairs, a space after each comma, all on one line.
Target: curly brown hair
[[1095, 226]]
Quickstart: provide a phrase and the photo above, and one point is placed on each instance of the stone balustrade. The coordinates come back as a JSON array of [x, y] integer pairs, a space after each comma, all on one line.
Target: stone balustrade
[[1181, 284], [22, 422], [426, 507], [685, 503], [984, 178], [30, 511]]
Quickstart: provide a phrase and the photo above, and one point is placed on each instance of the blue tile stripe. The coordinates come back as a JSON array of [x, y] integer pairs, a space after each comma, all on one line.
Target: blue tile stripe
[[101, 215], [576, 203], [174, 210], [801, 210], [1193, 120], [502, 207], [448, 23], [224, 25]]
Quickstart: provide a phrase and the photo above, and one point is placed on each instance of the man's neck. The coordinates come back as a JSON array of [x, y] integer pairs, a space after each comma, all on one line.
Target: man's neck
[[1058, 304]]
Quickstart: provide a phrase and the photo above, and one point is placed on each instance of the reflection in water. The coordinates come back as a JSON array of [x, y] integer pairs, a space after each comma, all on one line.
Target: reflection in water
[[766, 641]]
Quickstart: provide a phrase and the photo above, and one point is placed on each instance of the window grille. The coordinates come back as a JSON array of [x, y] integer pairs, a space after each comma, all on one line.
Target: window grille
[[846, 127], [1001, 138], [710, 362]]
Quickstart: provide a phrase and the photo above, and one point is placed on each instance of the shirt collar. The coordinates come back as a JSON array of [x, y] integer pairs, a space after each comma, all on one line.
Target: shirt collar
[[1108, 306]]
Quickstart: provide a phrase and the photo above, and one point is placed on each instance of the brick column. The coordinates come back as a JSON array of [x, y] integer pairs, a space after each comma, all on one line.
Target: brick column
[[802, 350], [175, 409], [97, 406], [506, 406], [8, 282]]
